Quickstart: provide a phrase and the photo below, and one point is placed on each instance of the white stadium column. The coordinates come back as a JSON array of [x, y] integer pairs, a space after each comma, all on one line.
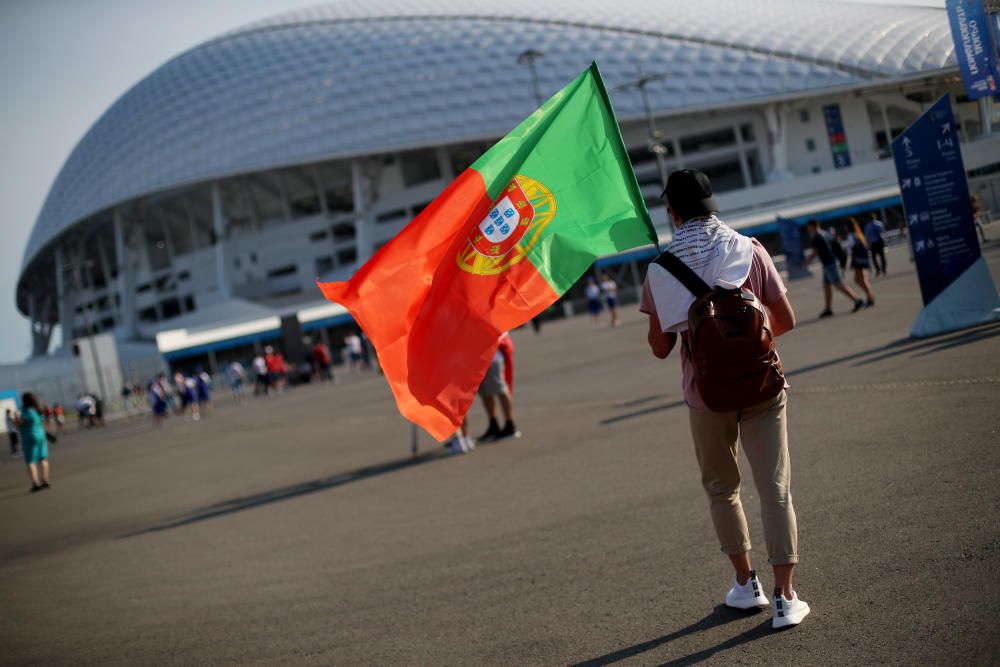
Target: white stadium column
[[125, 281], [219, 226], [777, 142], [362, 221], [65, 298]]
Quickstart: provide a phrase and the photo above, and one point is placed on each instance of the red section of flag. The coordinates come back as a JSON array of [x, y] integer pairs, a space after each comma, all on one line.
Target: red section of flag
[[435, 326]]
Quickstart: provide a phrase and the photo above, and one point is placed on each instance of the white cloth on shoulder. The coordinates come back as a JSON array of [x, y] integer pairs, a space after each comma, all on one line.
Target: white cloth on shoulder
[[713, 250]]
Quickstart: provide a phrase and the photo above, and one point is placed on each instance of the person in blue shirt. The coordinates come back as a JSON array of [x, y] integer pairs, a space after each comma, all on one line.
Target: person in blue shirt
[[33, 442]]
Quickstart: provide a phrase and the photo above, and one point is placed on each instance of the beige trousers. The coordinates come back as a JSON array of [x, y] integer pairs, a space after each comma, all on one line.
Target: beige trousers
[[762, 430]]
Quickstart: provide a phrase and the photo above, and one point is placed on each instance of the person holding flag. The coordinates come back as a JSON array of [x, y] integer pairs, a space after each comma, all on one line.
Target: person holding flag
[[507, 238]]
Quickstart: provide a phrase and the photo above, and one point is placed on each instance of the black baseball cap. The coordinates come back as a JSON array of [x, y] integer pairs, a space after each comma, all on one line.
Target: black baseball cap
[[689, 194]]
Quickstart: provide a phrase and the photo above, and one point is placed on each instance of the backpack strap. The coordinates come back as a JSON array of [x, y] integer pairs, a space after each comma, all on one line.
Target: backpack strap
[[683, 273]]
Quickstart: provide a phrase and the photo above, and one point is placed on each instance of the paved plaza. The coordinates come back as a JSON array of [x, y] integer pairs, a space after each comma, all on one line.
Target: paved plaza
[[298, 530]]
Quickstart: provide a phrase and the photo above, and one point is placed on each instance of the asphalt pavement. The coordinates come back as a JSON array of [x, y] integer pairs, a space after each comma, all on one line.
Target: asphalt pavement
[[298, 530]]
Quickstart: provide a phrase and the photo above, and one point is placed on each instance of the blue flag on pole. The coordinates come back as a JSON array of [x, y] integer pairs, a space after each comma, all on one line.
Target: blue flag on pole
[[972, 31]]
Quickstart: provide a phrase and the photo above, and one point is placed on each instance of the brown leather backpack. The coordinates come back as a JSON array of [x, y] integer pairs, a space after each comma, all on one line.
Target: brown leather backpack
[[728, 343]]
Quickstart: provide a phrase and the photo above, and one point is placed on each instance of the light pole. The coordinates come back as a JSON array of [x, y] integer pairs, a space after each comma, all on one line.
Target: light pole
[[655, 135], [74, 268], [528, 58]]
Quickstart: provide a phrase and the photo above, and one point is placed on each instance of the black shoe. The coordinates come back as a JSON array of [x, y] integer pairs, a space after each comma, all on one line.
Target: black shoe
[[858, 305], [46, 485], [826, 313], [34, 489], [509, 431], [491, 433], [871, 302]]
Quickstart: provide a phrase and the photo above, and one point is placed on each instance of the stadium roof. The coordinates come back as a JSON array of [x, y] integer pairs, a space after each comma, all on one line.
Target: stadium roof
[[354, 78]]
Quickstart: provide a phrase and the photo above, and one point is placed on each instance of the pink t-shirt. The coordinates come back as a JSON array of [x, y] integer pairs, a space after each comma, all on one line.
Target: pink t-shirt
[[766, 284]]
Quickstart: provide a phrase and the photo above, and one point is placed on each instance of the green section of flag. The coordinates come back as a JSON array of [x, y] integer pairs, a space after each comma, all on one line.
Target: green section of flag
[[573, 146]]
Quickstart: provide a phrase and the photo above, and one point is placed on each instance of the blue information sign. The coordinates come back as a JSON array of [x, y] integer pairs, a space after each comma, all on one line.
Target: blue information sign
[[972, 32], [936, 199], [838, 138]]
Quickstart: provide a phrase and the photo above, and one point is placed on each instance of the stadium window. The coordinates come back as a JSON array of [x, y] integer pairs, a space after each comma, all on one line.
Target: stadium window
[[288, 270], [335, 180], [391, 216], [184, 275], [746, 133], [253, 258], [189, 303], [343, 232], [810, 145], [724, 176], [324, 265], [804, 115], [419, 167], [145, 287], [318, 236], [816, 169], [417, 208], [170, 308], [756, 171], [304, 199], [265, 191], [347, 256], [707, 141], [148, 314]]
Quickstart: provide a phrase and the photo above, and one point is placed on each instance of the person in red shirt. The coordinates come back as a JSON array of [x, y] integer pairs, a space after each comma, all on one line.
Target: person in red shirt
[[321, 357]]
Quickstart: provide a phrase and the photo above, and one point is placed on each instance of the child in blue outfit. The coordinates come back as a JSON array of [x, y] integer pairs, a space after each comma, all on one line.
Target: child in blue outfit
[[34, 443]]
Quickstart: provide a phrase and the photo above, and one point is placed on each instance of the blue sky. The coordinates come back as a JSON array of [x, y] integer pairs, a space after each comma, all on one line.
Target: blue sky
[[62, 64]]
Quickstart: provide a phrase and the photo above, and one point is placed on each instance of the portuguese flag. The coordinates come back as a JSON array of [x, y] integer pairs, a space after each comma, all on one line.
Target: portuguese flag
[[509, 236]]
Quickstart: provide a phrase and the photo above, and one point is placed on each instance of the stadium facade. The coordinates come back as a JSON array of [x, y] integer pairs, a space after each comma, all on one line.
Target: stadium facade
[[220, 186]]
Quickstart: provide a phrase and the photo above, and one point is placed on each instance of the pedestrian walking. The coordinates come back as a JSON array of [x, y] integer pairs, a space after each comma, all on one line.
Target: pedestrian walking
[[324, 363], [10, 422], [261, 383], [353, 348], [609, 288], [158, 400], [34, 442], [728, 410], [822, 248], [593, 294], [497, 386], [875, 235], [203, 390], [60, 416], [857, 247], [235, 376]]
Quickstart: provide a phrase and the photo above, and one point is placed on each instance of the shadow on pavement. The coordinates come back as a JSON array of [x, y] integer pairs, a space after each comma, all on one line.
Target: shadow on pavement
[[640, 413], [288, 492], [719, 616], [906, 346], [917, 347]]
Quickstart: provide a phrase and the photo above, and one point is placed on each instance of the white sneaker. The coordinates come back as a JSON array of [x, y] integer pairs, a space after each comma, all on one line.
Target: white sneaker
[[467, 442], [457, 446], [787, 612], [746, 596]]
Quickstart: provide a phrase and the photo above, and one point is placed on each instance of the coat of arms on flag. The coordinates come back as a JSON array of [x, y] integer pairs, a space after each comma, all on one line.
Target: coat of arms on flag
[[502, 238]]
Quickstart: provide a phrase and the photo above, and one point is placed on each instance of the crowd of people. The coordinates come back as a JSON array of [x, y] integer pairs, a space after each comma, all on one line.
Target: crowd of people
[[600, 295], [865, 250]]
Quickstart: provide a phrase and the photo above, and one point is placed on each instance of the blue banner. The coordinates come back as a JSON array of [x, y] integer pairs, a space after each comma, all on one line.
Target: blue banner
[[936, 201], [790, 232], [972, 32], [838, 138]]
